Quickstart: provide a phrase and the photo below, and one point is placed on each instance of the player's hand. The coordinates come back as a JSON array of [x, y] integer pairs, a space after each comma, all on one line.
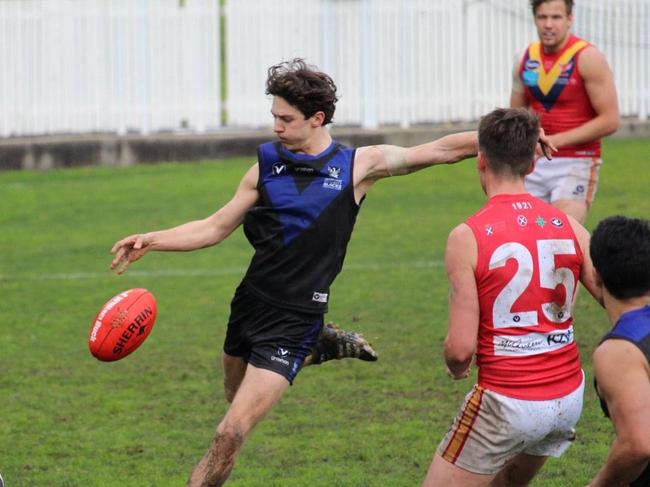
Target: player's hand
[[129, 250], [545, 146], [458, 375]]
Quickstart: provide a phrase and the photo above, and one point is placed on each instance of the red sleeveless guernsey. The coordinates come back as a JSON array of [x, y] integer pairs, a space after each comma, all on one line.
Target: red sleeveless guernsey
[[528, 267], [556, 91]]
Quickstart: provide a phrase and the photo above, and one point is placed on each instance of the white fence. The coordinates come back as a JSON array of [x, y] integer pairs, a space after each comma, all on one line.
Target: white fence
[[419, 61], [108, 66], [77, 66]]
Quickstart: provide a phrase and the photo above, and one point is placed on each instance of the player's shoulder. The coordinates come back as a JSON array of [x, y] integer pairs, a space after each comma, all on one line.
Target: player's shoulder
[[591, 60]]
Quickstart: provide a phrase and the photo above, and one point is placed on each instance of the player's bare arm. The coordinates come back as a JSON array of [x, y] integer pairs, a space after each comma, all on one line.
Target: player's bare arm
[[518, 93], [381, 161], [587, 274], [460, 260], [192, 235], [599, 83], [627, 402]]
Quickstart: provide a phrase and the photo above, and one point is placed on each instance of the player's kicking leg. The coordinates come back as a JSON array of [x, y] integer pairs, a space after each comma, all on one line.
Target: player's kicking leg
[[335, 343]]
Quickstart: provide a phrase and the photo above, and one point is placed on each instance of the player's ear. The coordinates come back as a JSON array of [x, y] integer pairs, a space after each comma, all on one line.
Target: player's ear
[[531, 168], [317, 119], [481, 162]]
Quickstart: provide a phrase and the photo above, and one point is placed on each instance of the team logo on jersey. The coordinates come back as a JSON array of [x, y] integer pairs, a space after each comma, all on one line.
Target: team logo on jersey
[[557, 222], [489, 231], [566, 69], [278, 168], [580, 189], [319, 297], [335, 184], [540, 221], [522, 221], [334, 172]]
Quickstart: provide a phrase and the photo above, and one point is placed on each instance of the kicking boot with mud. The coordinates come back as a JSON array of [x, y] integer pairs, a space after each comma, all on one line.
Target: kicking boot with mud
[[334, 343]]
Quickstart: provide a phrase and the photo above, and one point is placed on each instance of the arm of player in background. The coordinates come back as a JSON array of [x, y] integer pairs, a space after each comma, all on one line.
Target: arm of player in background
[[192, 235], [599, 83], [517, 94], [587, 272], [460, 260], [627, 401]]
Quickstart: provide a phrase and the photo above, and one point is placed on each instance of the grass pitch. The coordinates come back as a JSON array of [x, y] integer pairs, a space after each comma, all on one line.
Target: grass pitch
[[68, 420]]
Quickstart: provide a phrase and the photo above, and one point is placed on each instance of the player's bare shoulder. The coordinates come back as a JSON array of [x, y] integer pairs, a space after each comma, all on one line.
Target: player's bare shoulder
[[592, 62]]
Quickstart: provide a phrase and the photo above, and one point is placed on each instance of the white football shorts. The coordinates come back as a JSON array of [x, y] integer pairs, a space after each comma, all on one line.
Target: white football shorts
[[571, 178], [491, 429]]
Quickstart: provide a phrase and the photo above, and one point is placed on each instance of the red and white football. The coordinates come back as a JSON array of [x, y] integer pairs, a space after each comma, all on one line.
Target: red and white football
[[122, 324]]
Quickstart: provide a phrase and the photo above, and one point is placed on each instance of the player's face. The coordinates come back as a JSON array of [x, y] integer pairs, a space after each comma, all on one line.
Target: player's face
[[290, 125], [553, 24]]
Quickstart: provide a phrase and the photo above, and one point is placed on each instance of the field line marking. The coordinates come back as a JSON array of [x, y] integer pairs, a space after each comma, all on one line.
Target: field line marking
[[224, 271]]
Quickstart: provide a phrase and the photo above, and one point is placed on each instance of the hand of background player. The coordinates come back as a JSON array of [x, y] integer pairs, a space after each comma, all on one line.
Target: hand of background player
[[129, 250], [545, 147], [458, 375]]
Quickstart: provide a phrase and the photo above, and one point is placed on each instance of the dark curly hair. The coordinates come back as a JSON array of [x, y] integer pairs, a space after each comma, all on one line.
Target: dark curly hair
[[303, 87], [620, 251]]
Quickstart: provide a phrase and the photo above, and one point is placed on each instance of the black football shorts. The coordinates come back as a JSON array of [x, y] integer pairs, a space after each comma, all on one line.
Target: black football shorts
[[268, 337]]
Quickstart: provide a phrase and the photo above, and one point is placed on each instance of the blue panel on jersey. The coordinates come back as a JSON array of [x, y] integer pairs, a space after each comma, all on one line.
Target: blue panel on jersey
[[300, 187], [634, 325]]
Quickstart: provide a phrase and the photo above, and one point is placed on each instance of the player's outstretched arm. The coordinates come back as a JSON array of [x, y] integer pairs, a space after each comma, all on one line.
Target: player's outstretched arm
[[192, 235], [627, 402], [460, 261], [382, 161]]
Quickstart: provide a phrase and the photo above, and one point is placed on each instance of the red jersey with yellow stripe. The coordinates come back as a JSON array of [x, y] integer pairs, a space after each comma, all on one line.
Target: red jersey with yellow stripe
[[527, 270], [556, 91]]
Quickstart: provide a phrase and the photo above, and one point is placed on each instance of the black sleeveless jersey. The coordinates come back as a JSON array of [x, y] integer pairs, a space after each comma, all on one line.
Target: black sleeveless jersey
[[301, 225], [633, 326]]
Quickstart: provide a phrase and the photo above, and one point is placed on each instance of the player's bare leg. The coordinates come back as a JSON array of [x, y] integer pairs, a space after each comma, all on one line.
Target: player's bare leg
[[234, 369], [577, 209], [444, 474], [519, 472], [335, 343], [260, 390]]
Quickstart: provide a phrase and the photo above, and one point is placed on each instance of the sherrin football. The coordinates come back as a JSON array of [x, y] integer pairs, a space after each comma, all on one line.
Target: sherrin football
[[122, 324]]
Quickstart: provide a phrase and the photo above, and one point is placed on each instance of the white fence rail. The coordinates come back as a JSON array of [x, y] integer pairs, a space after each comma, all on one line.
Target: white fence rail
[[72, 66], [108, 66], [419, 61]]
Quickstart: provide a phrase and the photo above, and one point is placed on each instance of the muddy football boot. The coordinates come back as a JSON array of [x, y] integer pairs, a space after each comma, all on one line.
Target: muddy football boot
[[334, 343]]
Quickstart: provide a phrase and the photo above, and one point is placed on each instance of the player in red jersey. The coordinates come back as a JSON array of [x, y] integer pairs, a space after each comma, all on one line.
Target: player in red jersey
[[569, 84], [513, 268]]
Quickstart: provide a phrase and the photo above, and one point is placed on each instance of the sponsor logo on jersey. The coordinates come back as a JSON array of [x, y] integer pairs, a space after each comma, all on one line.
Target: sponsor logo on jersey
[[489, 231], [283, 352], [522, 221], [334, 172], [557, 222], [540, 221], [531, 343], [335, 184], [319, 297], [531, 65], [278, 168]]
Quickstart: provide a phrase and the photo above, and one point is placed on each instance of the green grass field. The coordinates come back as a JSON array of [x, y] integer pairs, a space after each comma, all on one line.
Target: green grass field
[[68, 420]]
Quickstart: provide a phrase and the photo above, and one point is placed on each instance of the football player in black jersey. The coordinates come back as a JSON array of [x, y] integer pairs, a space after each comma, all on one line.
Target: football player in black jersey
[[298, 204], [620, 251]]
